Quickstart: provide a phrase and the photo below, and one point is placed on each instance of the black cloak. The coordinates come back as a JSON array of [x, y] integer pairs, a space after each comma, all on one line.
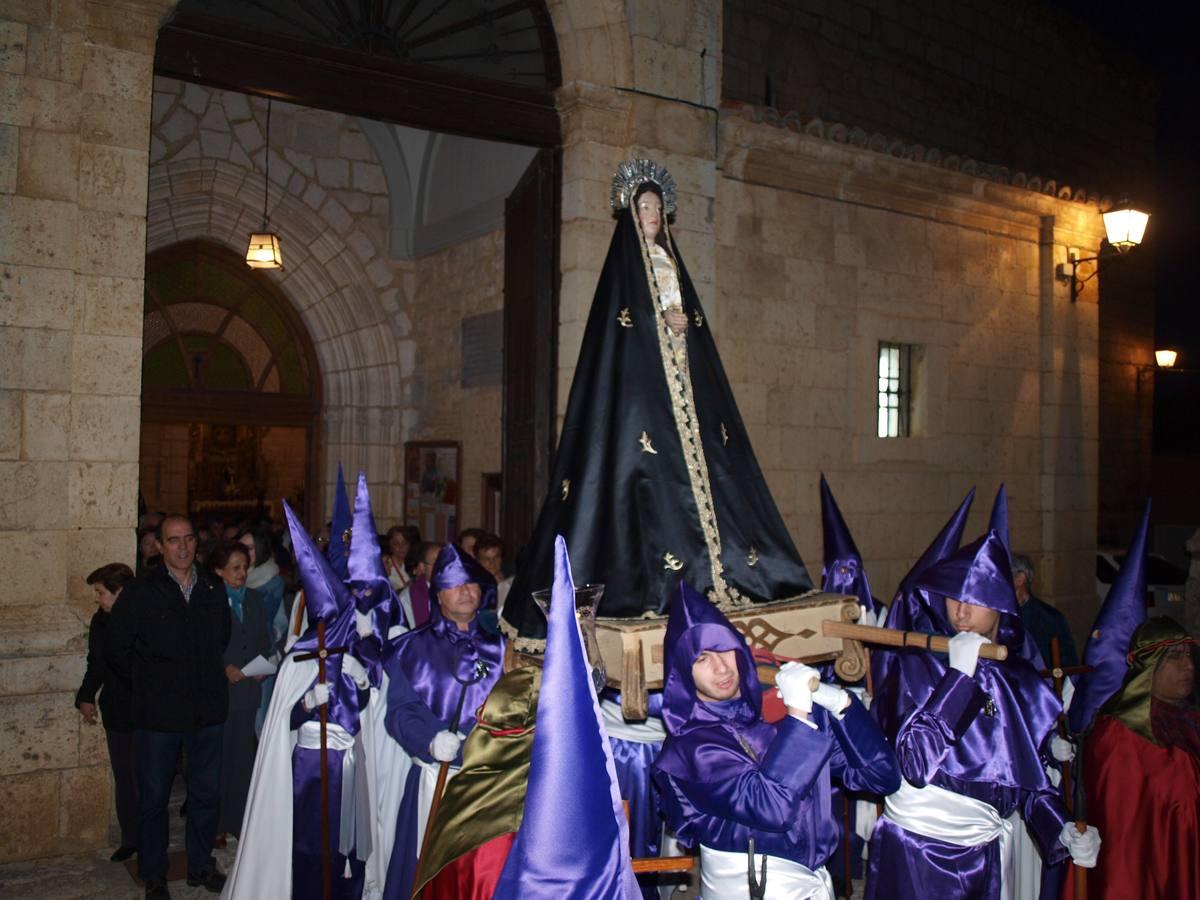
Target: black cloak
[[651, 485]]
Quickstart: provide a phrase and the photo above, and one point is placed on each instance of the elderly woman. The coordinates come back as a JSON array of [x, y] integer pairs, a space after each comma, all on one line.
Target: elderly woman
[[107, 583], [249, 639]]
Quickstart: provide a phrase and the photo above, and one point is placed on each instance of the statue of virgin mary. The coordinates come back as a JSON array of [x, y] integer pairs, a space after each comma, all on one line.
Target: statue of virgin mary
[[654, 481]]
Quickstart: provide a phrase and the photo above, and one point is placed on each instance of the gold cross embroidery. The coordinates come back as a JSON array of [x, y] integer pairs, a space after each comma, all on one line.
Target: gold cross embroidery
[[672, 563], [623, 318], [647, 447]]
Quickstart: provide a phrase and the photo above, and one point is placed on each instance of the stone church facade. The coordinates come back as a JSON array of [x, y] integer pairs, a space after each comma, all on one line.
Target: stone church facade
[[811, 240]]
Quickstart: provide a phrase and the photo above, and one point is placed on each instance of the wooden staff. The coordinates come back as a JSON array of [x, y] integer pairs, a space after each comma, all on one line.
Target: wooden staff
[[893, 637], [321, 655]]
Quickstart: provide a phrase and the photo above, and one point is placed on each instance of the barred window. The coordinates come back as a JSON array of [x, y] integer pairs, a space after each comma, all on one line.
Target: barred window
[[894, 406]]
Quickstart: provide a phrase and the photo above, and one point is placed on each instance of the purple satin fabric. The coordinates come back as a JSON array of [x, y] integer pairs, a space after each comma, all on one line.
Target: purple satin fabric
[[338, 550], [454, 568], [418, 594], [632, 760], [436, 658], [949, 741], [1124, 609], [979, 573], [307, 878], [716, 794], [906, 866], [573, 840], [844, 572], [328, 600], [402, 864]]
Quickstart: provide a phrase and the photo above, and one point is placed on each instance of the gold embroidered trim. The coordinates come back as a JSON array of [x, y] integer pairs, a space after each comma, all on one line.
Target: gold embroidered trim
[[623, 318], [647, 447], [673, 350]]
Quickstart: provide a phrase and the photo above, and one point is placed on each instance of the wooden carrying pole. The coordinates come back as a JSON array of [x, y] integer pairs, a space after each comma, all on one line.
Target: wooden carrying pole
[[893, 637], [326, 875]]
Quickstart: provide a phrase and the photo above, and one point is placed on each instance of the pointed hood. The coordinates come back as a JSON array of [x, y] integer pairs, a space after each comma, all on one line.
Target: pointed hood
[[695, 625], [326, 597], [980, 574], [367, 580], [1124, 609], [339, 527], [998, 522], [943, 545], [844, 572], [454, 567], [573, 841]]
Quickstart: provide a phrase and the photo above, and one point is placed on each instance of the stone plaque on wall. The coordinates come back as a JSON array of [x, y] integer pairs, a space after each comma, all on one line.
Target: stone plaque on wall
[[483, 348]]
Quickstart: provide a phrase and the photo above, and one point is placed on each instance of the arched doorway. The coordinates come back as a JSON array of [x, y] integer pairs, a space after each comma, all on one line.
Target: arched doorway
[[231, 393], [461, 68]]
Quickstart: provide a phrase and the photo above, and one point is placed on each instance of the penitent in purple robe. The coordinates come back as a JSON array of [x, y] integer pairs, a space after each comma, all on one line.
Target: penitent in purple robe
[[978, 737], [426, 670], [726, 776]]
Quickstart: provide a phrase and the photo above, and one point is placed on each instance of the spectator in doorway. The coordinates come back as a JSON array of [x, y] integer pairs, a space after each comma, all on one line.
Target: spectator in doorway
[[396, 545], [415, 598], [107, 583], [1040, 619], [489, 553], [166, 643], [467, 539], [249, 639], [149, 553]]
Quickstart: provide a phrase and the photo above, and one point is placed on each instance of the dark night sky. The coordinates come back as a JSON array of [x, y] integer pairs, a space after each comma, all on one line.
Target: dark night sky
[[1164, 39]]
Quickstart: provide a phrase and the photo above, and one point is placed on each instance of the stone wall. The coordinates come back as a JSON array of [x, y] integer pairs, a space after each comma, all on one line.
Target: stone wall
[[823, 250], [328, 201], [74, 120], [1019, 84], [450, 285]]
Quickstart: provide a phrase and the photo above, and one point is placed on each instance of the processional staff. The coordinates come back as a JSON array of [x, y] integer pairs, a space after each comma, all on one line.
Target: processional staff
[[321, 655]]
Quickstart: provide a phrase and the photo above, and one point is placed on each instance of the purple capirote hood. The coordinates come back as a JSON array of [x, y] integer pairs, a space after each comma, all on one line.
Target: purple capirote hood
[[695, 625], [453, 568]]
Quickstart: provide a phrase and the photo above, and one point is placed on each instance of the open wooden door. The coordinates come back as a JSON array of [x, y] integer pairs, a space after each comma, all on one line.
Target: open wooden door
[[531, 227]]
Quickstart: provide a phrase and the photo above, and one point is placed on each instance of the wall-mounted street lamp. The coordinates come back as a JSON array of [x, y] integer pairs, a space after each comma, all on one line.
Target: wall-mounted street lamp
[[1124, 228], [1165, 359]]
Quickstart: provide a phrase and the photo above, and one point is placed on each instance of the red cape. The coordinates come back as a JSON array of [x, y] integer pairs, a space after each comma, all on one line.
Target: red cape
[[1145, 800]]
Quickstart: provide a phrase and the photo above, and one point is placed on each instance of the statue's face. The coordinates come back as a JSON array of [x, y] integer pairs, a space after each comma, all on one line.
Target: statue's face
[[649, 213], [969, 617], [715, 673]]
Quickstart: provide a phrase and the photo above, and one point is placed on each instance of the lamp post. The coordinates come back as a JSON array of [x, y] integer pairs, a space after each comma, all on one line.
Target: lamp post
[[1124, 228]]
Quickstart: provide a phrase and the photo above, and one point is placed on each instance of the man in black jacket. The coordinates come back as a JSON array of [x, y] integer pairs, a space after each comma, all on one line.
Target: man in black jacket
[[166, 641]]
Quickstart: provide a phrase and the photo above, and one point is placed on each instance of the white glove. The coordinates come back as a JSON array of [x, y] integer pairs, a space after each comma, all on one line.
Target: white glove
[[444, 746], [794, 685], [290, 642], [1084, 848], [318, 696], [353, 668], [832, 697], [964, 651], [362, 624], [1062, 750]]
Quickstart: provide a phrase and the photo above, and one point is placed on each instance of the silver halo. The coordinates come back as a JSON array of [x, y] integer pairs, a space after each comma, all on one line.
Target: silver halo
[[633, 174]]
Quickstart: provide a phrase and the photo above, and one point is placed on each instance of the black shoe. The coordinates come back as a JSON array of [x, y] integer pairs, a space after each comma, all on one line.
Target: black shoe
[[210, 879], [156, 889], [122, 853]]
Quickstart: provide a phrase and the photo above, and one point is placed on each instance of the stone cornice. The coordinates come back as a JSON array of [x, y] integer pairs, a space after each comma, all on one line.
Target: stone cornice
[[759, 145]]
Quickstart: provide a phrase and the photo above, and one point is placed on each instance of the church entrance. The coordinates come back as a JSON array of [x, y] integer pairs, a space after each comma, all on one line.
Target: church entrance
[[230, 389], [414, 174]]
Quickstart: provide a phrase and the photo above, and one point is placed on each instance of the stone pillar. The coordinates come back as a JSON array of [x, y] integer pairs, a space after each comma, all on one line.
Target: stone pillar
[[645, 86], [74, 133], [1068, 413]]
